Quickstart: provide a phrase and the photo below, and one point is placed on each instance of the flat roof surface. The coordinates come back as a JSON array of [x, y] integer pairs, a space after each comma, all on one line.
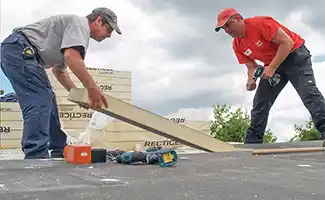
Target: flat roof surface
[[231, 176]]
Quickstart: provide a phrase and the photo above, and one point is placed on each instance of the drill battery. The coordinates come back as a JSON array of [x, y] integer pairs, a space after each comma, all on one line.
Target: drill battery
[[167, 157], [273, 81]]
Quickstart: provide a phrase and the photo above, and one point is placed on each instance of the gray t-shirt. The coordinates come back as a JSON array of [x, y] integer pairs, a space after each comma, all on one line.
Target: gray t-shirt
[[52, 34]]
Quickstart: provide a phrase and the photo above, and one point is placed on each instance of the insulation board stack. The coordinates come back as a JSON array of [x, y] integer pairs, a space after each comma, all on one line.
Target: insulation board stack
[[118, 134], [11, 125], [114, 82]]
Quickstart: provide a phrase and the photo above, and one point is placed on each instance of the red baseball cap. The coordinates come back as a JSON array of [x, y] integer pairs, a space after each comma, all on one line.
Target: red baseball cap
[[223, 17]]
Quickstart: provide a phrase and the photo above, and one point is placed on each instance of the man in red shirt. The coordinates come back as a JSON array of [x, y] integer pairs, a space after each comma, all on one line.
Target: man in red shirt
[[282, 51]]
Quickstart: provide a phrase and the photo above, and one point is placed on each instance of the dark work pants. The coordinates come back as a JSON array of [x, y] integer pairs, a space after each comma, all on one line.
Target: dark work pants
[[297, 68], [41, 129]]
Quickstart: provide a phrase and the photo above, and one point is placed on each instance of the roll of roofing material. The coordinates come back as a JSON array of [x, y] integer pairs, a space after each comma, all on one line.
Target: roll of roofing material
[[288, 150], [282, 145]]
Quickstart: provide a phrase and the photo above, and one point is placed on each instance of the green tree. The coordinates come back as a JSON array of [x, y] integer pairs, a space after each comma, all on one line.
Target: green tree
[[231, 126], [306, 132]]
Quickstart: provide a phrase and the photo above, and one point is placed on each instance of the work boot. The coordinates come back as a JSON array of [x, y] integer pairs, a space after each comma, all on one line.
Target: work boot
[[55, 155]]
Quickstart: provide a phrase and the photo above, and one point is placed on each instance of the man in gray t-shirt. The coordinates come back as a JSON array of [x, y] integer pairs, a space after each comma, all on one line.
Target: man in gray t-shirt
[[54, 42]]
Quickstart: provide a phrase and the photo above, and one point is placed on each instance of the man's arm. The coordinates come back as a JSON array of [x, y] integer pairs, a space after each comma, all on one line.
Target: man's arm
[[285, 45], [251, 82], [77, 66], [251, 67], [73, 46], [64, 78], [243, 59], [271, 31]]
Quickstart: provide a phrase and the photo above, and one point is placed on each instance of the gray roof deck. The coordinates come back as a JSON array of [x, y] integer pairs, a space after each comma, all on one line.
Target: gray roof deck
[[231, 176]]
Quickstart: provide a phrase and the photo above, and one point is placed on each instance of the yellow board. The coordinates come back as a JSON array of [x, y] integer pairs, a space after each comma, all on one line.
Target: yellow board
[[99, 72], [63, 95], [63, 99], [154, 123], [10, 143]]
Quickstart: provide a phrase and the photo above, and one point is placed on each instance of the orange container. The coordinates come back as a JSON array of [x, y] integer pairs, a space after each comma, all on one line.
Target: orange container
[[78, 154]]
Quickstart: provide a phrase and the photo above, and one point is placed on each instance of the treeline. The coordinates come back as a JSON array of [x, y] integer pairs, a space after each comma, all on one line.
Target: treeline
[[230, 126]]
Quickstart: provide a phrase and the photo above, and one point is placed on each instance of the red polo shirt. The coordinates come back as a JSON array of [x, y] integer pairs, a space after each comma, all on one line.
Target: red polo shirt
[[257, 44]]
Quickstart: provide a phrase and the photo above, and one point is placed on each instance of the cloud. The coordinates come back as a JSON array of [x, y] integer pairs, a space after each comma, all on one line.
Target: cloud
[[320, 58]]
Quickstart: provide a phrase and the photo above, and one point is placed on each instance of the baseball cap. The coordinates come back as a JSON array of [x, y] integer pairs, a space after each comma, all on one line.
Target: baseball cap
[[109, 16], [224, 16]]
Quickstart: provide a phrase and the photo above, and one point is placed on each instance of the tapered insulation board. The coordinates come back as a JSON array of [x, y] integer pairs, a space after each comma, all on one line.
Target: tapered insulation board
[[154, 123]]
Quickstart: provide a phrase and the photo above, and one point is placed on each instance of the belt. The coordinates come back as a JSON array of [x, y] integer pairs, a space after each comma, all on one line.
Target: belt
[[40, 60]]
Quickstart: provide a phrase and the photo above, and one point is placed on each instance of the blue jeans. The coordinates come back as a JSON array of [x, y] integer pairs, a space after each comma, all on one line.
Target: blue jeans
[[41, 129]]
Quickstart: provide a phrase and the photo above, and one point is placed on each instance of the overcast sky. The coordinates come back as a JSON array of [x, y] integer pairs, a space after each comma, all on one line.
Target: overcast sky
[[179, 65]]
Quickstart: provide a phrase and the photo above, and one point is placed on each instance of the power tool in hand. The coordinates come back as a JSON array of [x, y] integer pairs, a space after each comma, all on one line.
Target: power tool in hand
[[273, 81], [163, 157]]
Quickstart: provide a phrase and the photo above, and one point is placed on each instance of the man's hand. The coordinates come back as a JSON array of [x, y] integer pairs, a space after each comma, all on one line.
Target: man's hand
[[250, 85], [96, 98], [268, 72]]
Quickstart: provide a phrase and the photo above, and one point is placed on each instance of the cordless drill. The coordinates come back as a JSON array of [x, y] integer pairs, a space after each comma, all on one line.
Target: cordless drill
[[273, 81], [163, 157]]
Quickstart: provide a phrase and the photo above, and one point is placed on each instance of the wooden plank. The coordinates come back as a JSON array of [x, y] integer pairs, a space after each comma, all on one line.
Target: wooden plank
[[119, 134], [116, 140], [7, 126], [17, 116], [11, 116], [65, 123], [126, 127], [64, 100], [80, 120], [10, 143], [104, 87], [122, 137], [154, 123], [125, 142], [117, 126], [98, 80], [72, 108], [115, 131], [118, 95], [9, 107], [12, 134], [134, 145], [101, 72], [9, 111], [6, 107], [287, 150], [282, 145], [74, 113], [74, 124]]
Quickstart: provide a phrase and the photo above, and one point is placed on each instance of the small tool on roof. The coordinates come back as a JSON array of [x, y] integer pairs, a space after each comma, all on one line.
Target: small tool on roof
[[163, 157]]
